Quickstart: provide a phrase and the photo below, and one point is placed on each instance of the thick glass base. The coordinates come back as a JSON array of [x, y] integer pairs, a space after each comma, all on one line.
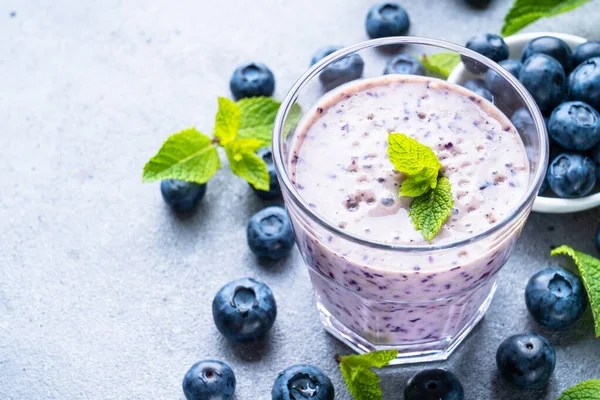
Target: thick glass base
[[418, 352]]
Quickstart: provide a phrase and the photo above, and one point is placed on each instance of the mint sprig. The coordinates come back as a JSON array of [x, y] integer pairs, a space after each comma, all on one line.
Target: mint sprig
[[588, 390], [361, 381], [589, 269], [525, 12], [440, 65], [432, 195]]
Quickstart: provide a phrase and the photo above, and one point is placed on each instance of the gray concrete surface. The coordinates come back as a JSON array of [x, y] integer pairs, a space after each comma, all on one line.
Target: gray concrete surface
[[104, 293]]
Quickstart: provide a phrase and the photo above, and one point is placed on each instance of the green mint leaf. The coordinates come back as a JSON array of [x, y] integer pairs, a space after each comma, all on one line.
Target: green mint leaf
[[417, 185], [588, 390], [227, 121], [524, 12], [429, 211], [363, 383], [257, 118], [409, 156], [246, 164], [187, 155], [440, 65], [589, 269]]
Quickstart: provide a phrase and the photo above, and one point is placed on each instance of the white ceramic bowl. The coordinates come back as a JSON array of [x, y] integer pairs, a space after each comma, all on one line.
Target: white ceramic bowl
[[516, 43]]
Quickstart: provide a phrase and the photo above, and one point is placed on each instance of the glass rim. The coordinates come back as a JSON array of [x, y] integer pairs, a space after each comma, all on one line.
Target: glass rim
[[314, 70]]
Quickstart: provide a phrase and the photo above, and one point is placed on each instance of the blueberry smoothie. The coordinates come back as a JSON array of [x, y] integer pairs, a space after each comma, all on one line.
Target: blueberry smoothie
[[338, 163]]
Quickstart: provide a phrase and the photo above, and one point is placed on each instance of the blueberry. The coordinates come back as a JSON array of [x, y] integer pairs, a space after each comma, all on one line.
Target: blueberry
[[527, 360], [274, 191], [244, 310], [387, 19], [490, 45], [270, 233], [584, 82], [251, 80], [497, 84], [404, 64], [575, 125], [543, 187], [209, 380], [545, 79], [571, 175], [595, 154], [300, 382], [523, 121], [585, 51], [434, 384], [343, 70], [477, 86], [478, 3], [182, 196], [551, 46]]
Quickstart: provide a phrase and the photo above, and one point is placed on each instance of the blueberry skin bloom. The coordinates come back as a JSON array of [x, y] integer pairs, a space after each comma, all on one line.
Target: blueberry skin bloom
[[527, 360], [545, 79], [405, 65], [387, 19], [274, 191], [252, 80], [575, 125], [489, 45], [182, 196], [341, 71], [551, 46], [434, 384], [585, 51], [244, 310], [270, 233], [302, 382], [209, 380], [555, 298], [571, 175], [584, 82]]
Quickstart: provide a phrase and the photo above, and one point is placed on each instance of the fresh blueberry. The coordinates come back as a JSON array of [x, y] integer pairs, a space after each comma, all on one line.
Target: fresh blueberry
[[585, 51], [575, 125], [251, 80], [270, 233], [477, 86], [555, 298], [387, 19], [523, 121], [274, 191], [300, 382], [343, 70], [551, 46], [571, 175], [209, 380], [434, 384], [595, 154], [405, 65], [543, 187], [545, 79], [584, 82], [182, 196], [244, 310], [497, 84], [490, 45], [478, 3], [527, 360]]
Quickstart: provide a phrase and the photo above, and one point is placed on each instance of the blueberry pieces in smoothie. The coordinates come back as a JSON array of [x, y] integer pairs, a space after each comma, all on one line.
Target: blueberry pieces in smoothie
[[300, 382], [251, 80], [434, 384], [387, 19], [209, 380], [182, 196], [571, 175], [585, 51], [244, 310], [545, 79], [575, 125], [489, 45], [555, 297], [274, 191], [584, 82], [527, 360], [270, 234], [477, 86], [342, 71], [551, 46], [405, 65]]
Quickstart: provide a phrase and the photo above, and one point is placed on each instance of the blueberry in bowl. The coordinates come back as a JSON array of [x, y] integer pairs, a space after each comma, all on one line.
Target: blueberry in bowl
[[404, 64], [571, 175], [251, 80], [270, 233], [545, 79], [595, 154], [575, 126], [341, 71], [274, 191], [182, 196], [489, 45], [477, 86], [551, 46], [584, 82], [387, 19], [434, 384], [209, 380], [300, 382], [585, 51]]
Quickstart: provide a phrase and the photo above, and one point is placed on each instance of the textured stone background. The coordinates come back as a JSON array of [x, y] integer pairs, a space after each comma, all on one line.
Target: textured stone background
[[104, 293]]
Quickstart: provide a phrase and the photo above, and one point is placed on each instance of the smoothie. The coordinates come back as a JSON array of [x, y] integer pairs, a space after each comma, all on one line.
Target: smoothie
[[338, 163]]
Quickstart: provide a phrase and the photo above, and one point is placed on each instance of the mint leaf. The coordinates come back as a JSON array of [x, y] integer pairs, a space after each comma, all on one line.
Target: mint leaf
[[409, 156], [187, 155], [588, 390], [361, 381], [524, 12], [416, 185], [440, 65], [429, 211], [257, 118], [227, 121], [246, 164], [589, 268]]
